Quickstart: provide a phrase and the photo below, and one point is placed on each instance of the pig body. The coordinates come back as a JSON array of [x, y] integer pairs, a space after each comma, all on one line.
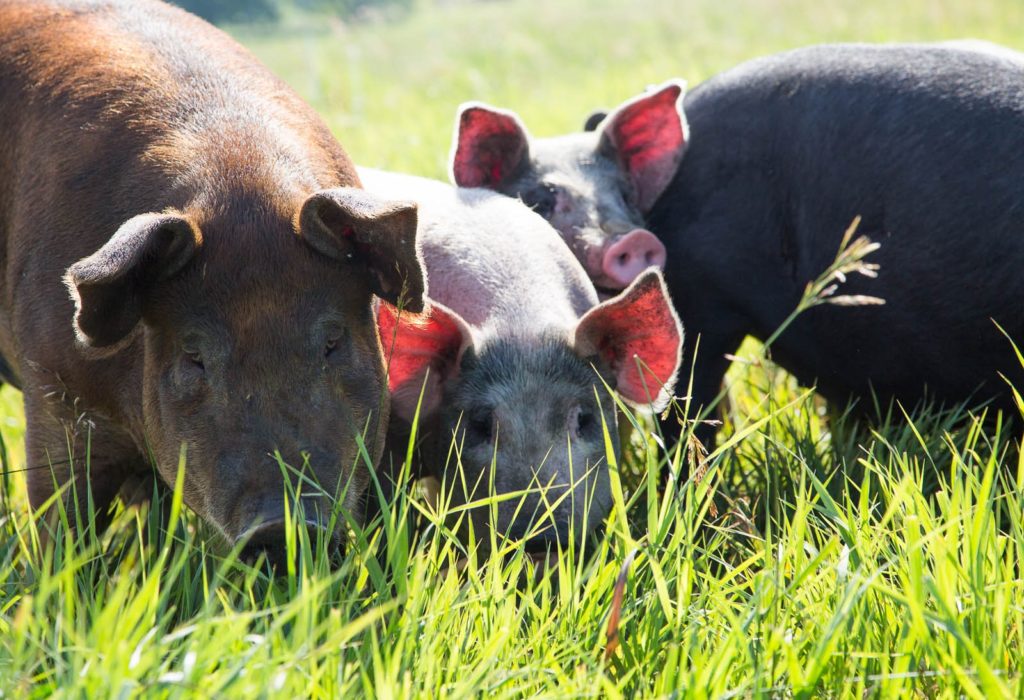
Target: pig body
[[514, 335], [497, 286], [187, 268], [772, 162]]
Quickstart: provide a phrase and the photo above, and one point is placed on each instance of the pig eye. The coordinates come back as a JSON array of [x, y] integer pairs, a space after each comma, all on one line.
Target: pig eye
[[330, 346], [542, 199], [581, 422], [194, 358], [481, 425], [334, 336]]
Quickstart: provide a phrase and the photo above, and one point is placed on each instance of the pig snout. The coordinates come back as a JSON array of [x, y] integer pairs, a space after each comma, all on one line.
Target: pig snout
[[546, 538], [630, 255], [270, 540]]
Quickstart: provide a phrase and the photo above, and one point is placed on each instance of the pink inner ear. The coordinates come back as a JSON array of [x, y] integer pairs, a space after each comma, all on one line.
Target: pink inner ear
[[414, 343], [639, 324], [490, 146], [649, 135]]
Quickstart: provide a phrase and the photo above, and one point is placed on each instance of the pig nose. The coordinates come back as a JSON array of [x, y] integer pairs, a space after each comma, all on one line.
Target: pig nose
[[269, 539], [538, 538], [542, 544], [630, 255]]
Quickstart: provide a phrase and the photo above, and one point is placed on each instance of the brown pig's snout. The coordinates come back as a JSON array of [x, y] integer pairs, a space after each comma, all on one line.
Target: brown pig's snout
[[270, 540], [251, 493]]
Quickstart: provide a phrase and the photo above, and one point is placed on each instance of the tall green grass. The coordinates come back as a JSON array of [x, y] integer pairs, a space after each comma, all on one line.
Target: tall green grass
[[818, 556], [873, 584]]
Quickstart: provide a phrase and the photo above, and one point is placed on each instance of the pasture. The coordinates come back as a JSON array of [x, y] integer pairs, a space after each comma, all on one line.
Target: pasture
[[817, 557]]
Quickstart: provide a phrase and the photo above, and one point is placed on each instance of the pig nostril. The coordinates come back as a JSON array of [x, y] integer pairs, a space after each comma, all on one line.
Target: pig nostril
[[623, 259], [269, 540], [546, 543]]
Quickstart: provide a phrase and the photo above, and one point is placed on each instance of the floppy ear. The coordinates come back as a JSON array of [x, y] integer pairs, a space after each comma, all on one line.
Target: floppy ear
[[489, 147], [417, 348], [648, 136], [108, 287], [638, 337], [351, 224]]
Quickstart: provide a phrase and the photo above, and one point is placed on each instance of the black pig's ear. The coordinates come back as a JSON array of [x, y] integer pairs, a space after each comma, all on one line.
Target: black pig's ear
[[348, 223], [490, 146], [594, 120], [109, 286]]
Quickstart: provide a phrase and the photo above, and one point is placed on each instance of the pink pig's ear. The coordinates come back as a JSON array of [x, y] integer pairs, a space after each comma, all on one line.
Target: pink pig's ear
[[638, 337], [490, 145], [417, 348], [648, 136]]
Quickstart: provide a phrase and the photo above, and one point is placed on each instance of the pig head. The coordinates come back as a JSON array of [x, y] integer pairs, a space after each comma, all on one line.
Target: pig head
[[528, 413], [594, 187], [240, 367]]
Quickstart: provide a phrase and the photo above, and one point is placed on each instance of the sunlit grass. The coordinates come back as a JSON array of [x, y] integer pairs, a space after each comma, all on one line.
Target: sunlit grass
[[845, 560], [851, 585]]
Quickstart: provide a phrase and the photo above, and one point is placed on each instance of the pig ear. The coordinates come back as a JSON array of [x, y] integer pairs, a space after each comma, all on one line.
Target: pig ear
[[490, 146], [109, 286], [594, 120], [351, 224], [420, 347], [648, 136], [637, 336]]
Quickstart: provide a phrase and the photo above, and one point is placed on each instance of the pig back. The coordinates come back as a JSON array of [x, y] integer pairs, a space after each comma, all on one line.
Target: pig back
[[491, 259], [113, 109], [925, 143]]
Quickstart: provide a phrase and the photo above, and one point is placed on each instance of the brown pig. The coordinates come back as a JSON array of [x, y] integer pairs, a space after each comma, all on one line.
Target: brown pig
[[221, 262]]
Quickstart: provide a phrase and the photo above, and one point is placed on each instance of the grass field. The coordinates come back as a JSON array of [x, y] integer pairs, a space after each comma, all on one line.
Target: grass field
[[848, 561]]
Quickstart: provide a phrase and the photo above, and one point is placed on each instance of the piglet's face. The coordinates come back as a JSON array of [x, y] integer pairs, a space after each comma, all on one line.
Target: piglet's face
[[530, 423], [529, 412], [595, 187]]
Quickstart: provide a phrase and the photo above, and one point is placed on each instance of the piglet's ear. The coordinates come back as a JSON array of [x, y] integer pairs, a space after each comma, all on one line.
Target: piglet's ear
[[109, 286], [489, 147], [648, 136], [638, 337], [417, 348], [353, 225]]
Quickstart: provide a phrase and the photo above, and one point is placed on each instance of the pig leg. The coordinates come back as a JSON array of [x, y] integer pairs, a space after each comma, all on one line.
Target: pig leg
[[59, 444]]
